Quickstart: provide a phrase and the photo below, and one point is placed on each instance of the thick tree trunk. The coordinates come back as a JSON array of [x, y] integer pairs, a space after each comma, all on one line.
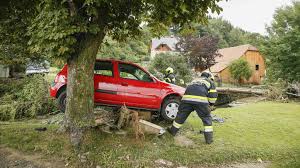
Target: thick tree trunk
[[80, 87]]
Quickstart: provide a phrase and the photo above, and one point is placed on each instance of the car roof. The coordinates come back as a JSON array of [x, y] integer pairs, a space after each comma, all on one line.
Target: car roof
[[115, 60]]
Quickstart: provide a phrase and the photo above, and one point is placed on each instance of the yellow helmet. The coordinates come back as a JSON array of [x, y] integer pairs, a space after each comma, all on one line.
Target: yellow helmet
[[169, 70]]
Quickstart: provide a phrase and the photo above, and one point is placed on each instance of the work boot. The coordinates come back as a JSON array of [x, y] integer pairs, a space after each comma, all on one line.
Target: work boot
[[172, 130], [208, 137]]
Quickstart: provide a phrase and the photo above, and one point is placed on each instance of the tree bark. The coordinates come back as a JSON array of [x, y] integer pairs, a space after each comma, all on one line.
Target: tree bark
[[80, 87]]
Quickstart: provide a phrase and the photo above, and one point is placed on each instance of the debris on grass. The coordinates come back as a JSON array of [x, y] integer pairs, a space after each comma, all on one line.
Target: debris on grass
[[162, 162], [41, 129], [151, 128], [217, 119]]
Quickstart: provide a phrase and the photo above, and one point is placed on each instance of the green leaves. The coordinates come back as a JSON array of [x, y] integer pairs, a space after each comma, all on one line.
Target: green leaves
[[178, 62], [134, 50], [53, 28], [240, 69], [282, 48]]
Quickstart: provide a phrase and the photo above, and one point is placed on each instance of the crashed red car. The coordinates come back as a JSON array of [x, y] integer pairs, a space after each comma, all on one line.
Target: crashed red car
[[118, 82]]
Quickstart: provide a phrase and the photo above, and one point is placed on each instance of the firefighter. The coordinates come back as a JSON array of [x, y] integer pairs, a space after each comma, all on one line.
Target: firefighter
[[199, 95], [170, 77]]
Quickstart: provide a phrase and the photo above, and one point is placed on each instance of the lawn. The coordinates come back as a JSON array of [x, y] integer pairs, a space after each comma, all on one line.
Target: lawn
[[268, 131]]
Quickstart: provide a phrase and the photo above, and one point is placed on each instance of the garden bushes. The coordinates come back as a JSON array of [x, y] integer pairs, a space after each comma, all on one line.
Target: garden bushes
[[27, 99]]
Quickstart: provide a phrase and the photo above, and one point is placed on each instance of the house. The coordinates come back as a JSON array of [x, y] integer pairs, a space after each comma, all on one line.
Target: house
[[4, 71], [247, 52], [163, 45]]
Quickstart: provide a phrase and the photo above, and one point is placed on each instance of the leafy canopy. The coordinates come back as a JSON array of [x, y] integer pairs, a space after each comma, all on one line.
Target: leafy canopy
[[200, 51], [15, 16], [240, 69], [59, 24], [282, 48]]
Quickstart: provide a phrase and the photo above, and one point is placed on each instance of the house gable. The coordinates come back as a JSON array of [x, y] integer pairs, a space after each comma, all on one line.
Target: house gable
[[229, 55], [163, 47], [257, 65]]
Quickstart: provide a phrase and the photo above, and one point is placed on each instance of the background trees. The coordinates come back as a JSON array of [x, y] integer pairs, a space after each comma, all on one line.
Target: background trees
[[134, 49], [240, 70], [227, 34], [15, 17], [200, 51], [178, 62], [282, 48]]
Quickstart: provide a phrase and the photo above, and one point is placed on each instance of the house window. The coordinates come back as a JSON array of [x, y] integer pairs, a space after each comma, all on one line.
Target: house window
[[257, 67]]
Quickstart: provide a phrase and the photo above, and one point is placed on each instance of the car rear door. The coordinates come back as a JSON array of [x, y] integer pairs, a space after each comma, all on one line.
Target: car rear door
[[107, 84], [138, 88]]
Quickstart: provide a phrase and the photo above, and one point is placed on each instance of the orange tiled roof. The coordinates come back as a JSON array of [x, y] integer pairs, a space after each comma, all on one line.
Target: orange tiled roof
[[229, 55]]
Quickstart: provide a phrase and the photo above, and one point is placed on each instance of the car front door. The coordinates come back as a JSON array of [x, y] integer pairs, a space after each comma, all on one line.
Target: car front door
[[106, 84], [138, 87]]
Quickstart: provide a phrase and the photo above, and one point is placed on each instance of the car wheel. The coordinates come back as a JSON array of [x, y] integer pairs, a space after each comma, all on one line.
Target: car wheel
[[62, 101], [170, 108]]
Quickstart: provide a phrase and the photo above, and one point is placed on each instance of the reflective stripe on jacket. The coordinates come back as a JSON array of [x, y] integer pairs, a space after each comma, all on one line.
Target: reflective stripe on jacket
[[202, 90]]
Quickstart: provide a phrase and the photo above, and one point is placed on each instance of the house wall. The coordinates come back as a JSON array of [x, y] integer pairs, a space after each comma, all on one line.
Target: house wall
[[4, 72], [254, 58]]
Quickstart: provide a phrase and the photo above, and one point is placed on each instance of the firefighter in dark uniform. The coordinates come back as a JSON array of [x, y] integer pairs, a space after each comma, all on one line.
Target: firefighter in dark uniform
[[170, 77], [199, 95]]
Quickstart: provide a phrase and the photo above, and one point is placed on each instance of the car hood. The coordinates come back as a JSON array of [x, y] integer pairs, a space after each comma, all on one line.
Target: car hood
[[174, 88]]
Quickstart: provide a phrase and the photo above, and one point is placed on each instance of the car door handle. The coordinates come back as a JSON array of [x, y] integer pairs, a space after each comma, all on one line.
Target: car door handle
[[124, 84]]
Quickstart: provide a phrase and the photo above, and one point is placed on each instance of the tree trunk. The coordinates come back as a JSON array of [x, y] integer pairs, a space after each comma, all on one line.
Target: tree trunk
[[80, 87]]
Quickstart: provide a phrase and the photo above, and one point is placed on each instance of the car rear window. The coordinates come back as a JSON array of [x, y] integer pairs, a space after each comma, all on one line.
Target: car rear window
[[103, 68]]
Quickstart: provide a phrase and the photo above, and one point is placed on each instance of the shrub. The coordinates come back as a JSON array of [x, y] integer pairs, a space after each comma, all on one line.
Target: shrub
[[9, 85], [30, 99], [7, 112], [276, 90], [240, 69], [178, 62]]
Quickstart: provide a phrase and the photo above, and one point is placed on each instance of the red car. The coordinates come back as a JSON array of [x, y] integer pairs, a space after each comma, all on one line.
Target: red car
[[117, 82]]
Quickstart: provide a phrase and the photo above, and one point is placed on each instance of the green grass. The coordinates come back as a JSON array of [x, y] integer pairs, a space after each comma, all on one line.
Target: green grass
[[269, 131]]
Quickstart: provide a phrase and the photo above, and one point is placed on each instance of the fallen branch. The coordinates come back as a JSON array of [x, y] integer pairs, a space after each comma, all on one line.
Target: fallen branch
[[241, 90]]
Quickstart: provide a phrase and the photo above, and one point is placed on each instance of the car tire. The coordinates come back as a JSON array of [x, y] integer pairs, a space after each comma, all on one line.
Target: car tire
[[170, 108], [61, 101]]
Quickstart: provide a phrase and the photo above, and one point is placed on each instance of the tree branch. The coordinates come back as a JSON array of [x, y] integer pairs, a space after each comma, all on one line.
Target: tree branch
[[72, 8]]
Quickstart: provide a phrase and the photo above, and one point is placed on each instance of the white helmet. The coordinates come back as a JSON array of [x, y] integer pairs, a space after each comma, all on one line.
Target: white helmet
[[208, 75]]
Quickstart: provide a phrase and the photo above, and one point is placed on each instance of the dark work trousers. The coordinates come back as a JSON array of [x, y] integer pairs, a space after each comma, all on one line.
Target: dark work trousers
[[202, 110], [185, 110]]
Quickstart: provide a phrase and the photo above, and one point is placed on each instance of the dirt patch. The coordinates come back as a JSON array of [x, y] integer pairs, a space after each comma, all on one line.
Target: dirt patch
[[10, 158], [247, 165], [183, 141], [238, 165]]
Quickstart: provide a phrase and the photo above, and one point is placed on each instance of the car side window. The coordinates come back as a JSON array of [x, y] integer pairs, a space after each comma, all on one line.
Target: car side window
[[103, 68], [129, 71]]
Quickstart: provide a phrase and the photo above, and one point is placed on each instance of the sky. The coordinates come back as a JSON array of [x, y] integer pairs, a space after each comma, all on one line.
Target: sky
[[251, 15]]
